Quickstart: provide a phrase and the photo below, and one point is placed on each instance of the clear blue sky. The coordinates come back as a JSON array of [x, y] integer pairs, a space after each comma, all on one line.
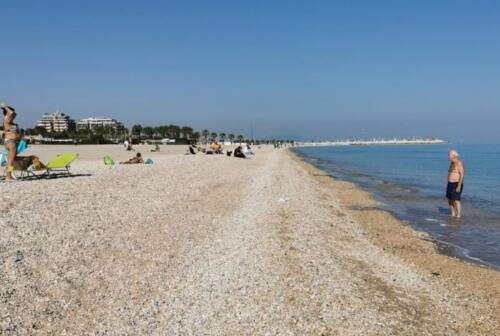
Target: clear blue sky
[[306, 69]]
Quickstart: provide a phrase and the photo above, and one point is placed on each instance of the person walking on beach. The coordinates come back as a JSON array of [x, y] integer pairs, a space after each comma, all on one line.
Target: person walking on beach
[[12, 137], [456, 174]]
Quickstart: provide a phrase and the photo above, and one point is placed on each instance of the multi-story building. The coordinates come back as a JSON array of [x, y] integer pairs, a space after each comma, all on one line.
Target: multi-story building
[[56, 122], [92, 123]]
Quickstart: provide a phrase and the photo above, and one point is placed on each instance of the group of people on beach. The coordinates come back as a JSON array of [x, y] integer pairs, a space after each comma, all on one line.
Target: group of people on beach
[[241, 151], [12, 136]]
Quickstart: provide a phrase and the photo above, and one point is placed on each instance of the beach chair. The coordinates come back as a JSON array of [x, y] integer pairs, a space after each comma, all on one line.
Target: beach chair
[[108, 161], [60, 165]]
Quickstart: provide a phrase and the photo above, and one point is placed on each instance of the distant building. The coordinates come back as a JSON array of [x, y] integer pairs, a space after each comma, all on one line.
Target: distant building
[[56, 122], [92, 123]]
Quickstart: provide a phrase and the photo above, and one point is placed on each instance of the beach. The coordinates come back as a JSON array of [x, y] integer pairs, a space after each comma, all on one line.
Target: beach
[[215, 245]]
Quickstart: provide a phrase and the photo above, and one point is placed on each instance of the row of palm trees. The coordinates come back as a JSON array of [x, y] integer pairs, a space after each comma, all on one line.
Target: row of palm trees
[[138, 131], [176, 132]]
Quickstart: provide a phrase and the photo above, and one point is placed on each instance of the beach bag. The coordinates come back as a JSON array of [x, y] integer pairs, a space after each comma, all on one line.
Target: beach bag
[[148, 161]]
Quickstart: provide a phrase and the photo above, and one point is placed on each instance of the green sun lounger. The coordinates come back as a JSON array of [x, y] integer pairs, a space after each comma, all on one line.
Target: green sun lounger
[[108, 161], [60, 165]]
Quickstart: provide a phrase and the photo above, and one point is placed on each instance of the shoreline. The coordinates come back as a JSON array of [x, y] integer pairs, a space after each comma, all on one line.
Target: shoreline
[[422, 206], [415, 248], [396, 142]]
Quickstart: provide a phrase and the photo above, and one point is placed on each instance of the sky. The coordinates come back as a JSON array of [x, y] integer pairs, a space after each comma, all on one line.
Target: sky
[[308, 70]]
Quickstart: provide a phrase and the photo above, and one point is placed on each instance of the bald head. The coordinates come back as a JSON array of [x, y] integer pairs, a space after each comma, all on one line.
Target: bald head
[[453, 155]]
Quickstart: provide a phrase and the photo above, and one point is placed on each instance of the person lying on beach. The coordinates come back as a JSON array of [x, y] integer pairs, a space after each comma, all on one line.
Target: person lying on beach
[[11, 138], [136, 159], [456, 174], [238, 152], [156, 149]]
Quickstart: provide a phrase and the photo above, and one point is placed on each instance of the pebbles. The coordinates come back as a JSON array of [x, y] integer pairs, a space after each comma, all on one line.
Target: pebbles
[[200, 245]]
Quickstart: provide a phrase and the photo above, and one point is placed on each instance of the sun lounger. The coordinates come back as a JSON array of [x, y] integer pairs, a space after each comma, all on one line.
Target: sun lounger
[[60, 165], [108, 161]]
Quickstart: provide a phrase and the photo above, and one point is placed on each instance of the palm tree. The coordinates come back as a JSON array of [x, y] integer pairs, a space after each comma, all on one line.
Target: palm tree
[[205, 134], [176, 131], [240, 138], [196, 136], [231, 137], [121, 130], [187, 132], [39, 130], [158, 130], [137, 130], [149, 131], [213, 136], [222, 136]]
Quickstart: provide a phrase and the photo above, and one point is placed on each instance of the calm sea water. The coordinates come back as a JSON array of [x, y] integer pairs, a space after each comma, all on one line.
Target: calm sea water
[[410, 181]]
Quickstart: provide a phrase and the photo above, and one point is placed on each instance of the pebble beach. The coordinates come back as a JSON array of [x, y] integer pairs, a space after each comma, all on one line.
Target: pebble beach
[[216, 245]]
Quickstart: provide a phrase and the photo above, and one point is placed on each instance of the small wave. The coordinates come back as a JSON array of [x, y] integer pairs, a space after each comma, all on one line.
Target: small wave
[[431, 220], [481, 261], [466, 253]]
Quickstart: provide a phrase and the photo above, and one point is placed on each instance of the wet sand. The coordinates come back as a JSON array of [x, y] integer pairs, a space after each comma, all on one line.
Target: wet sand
[[207, 244]]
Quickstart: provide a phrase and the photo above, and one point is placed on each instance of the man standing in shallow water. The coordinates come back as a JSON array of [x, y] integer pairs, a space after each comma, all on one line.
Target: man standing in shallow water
[[456, 174]]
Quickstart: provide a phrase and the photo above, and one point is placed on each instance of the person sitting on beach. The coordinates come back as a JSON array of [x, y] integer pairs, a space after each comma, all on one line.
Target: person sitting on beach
[[238, 152], [216, 148], [456, 174], [136, 159], [191, 149], [156, 149], [129, 144], [11, 138], [247, 150]]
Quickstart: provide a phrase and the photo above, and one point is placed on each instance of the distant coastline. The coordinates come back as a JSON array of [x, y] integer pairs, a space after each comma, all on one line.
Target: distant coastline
[[431, 141]]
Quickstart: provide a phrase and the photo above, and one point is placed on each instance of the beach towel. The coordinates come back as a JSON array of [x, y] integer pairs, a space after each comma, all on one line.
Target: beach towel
[[21, 147]]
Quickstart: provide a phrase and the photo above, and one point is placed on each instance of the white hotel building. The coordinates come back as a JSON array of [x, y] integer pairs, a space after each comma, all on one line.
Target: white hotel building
[[56, 122], [91, 123]]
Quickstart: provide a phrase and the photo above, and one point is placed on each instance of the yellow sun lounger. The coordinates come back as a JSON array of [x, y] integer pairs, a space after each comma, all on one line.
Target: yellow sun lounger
[[60, 165]]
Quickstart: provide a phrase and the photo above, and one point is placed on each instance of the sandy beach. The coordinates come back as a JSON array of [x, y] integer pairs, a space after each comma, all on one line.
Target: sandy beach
[[215, 245]]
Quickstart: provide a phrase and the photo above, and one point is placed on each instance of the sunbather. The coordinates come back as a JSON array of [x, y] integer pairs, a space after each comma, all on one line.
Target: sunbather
[[129, 144], [192, 149], [238, 152], [216, 148], [136, 159], [247, 150], [12, 137]]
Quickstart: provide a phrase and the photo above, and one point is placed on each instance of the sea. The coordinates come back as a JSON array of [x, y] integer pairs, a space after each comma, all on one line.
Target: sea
[[410, 182]]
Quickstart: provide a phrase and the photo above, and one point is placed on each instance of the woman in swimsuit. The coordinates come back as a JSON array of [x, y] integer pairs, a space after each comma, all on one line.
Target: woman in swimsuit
[[12, 137]]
